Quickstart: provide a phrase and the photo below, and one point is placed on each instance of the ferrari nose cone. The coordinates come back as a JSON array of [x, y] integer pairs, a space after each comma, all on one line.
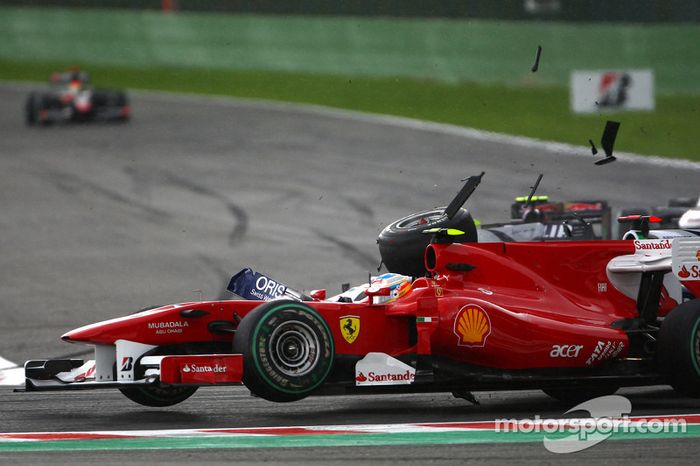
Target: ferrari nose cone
[[81, 334]]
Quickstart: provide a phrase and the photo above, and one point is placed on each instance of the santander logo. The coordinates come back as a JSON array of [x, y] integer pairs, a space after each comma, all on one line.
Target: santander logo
[[648, 245], [405, 376], [200, 369], [690, 272]]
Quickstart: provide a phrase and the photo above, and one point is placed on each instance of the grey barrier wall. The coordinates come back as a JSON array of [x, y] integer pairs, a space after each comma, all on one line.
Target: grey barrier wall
[[559, 10]]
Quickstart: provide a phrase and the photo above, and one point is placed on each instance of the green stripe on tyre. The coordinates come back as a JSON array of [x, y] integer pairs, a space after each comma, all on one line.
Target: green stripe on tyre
[[258, 327], [693, 354]]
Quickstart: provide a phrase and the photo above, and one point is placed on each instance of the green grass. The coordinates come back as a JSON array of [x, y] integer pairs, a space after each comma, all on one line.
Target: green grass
[[439, 49], [539, 112], [465, 72]]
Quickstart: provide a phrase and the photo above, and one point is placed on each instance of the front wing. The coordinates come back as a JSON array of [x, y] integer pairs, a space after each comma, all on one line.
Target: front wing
[[191, 370]]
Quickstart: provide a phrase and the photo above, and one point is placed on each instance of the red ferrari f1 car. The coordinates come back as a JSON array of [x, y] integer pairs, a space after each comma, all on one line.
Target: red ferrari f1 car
[[576, 319]]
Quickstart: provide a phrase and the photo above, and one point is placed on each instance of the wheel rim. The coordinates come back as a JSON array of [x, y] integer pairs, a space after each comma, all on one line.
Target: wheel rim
[[293, 347], [419, 220]]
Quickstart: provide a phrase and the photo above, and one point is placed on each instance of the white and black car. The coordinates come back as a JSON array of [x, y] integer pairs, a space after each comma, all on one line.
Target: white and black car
[[71, 98]]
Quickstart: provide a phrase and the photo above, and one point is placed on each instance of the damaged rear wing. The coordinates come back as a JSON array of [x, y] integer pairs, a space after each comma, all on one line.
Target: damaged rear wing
[[254, 286]]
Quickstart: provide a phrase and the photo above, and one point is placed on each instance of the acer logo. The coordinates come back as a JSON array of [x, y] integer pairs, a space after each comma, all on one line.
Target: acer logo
[[565, 351]]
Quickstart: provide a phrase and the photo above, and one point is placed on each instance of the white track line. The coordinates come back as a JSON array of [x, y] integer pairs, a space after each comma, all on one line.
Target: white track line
[[10, 374], [554, 148], [418, 427]]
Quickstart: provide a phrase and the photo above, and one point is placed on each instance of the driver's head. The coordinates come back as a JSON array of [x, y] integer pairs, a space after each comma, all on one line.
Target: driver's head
[[398, 284], [532, 215]]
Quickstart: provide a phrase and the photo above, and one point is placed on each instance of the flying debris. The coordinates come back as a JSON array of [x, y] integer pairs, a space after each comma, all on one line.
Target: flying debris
[[608, 141], [538, 54], [593, 148]]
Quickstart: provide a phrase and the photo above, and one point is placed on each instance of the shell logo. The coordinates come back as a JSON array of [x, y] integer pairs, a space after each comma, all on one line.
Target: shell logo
[[472, 326]]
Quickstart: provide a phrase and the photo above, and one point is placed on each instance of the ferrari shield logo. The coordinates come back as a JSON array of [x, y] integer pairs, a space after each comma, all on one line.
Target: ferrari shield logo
[[350, 328]]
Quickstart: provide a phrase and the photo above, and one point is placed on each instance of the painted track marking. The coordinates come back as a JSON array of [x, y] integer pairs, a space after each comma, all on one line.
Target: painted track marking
[[311, 436]]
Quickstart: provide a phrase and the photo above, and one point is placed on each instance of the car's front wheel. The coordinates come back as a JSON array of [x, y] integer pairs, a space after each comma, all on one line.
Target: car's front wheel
[[155, 396], [287, 350]]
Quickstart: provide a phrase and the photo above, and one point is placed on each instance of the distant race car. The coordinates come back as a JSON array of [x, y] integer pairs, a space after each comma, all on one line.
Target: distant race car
[[691, 217], [681, 212], [577, 319], [543, 220], [70, 98], [533, 218]]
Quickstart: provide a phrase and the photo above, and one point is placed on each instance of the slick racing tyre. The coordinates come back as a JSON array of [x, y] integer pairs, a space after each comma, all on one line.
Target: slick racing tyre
[[287, 350], [686, 202], [402, 243], [31, 109], [118, 100], [678, 348], [580, 394], [151, 395]]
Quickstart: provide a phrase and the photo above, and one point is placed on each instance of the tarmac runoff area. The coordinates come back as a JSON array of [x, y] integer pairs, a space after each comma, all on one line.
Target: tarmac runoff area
[[102, 220]]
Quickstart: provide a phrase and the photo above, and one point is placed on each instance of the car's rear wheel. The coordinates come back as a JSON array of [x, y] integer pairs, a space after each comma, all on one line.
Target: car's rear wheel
[[678, 348], [402, 243], [287, 350], [31, 109], [123, 104], [683, 202]]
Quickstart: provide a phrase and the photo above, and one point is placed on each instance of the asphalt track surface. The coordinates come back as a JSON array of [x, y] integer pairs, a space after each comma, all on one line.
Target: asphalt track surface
[[102, 220]]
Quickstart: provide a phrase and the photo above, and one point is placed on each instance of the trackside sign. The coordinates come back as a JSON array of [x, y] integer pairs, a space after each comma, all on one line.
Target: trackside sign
[[600, 91]]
